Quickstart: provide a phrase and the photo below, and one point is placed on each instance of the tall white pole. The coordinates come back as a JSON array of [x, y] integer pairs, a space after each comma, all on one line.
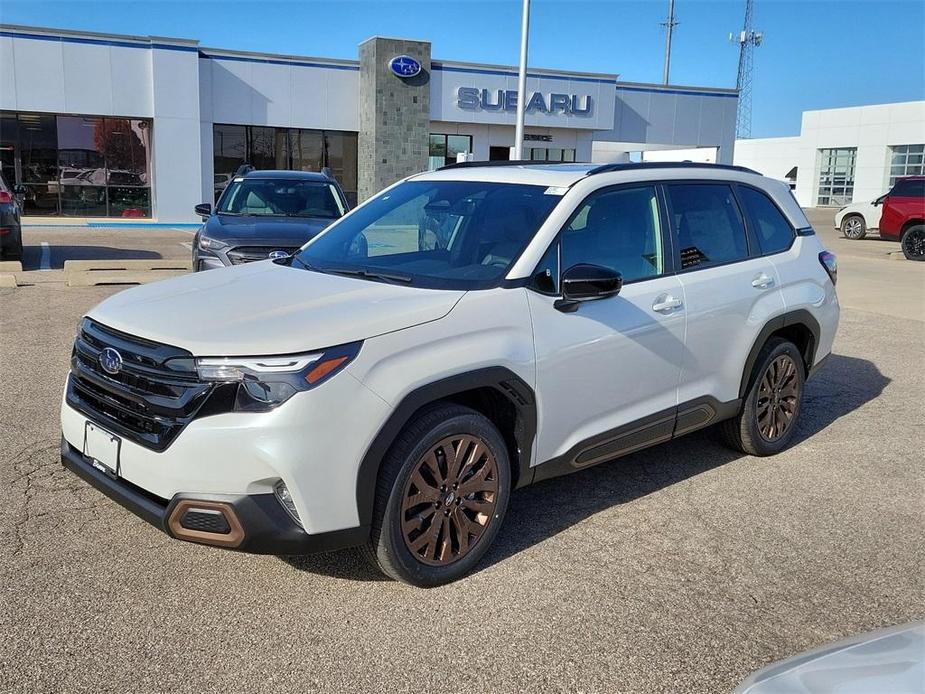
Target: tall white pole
[[669, 25], [522, 83]]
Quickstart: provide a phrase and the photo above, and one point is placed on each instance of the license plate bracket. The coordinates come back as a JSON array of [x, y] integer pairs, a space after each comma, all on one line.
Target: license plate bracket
[[102, 449]]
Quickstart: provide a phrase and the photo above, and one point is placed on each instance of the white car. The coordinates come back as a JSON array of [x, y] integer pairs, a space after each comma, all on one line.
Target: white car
[[465, 332], [856, 219]]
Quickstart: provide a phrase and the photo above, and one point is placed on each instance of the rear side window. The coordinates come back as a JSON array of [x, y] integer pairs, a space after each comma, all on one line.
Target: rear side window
[[773, 231], [707, 224], [909, 189]]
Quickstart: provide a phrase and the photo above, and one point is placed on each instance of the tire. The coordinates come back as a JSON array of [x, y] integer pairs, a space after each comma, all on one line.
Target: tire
[[913, 242], [854, 227], [775, 395], [444, 534]]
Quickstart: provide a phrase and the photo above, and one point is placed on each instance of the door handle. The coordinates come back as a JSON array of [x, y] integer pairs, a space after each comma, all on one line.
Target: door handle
[[763, 281], [666, 303]]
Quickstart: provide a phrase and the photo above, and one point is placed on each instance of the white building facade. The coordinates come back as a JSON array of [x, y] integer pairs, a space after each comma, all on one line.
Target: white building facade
[[843, 155], [130, 127]]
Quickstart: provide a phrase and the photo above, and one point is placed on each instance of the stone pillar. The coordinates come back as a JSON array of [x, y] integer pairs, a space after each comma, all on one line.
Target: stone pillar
[[394, 114]]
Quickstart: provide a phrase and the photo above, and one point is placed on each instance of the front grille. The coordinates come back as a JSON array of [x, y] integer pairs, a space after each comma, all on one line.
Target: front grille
[[156, 393], [249, 254]]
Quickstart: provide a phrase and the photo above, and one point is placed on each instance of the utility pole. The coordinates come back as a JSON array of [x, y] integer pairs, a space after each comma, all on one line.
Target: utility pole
[[748, 39], [522, 83], [669, 25]]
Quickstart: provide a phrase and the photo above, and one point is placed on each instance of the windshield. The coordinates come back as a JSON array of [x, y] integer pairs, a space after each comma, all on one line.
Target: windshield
[[442, 234], [279, 197]]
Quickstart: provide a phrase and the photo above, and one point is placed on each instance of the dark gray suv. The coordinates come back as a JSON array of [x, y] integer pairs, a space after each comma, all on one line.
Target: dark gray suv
[[265, 214]]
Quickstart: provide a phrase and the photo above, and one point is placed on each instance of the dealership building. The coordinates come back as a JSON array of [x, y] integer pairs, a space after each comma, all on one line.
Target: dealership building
[[843, 155], [130, 127]]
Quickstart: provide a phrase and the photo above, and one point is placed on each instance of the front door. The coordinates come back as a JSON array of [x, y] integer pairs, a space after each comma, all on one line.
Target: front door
[[607, 373]]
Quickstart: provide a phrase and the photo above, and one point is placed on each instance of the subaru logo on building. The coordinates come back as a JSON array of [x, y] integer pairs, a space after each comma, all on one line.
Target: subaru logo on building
[[111, 361], [277, 255], [405, 66]]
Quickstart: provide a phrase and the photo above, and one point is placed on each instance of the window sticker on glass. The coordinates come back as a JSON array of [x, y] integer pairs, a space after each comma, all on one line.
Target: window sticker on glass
[[556, 190]]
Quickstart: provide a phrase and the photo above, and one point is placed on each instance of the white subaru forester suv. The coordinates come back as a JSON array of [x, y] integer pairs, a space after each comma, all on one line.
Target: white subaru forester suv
[[464, 333]]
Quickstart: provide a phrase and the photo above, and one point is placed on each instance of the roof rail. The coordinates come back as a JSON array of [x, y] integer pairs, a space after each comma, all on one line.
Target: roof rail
[[603, 168], [497, 162], [630, 166]]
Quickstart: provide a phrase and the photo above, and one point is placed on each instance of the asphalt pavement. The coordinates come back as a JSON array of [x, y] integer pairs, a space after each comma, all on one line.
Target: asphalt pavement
[[678, 569]]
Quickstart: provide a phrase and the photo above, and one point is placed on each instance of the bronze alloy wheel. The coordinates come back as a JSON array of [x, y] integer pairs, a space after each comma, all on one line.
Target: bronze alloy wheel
[[449, 500], [778, 397]]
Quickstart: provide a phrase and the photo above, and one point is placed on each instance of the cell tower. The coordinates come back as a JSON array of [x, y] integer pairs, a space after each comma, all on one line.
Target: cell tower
[[748, 39]]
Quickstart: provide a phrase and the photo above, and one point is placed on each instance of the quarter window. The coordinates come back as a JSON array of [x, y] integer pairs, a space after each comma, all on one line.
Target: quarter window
[[618, 229], [707, 225], [773, 231]]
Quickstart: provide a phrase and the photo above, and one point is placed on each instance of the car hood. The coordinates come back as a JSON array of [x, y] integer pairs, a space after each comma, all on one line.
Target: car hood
[[264, 231], [886, 660], [865, 206], [264, 308]]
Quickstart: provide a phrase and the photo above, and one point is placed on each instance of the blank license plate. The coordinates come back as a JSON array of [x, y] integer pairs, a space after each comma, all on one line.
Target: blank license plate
[[102, 448]]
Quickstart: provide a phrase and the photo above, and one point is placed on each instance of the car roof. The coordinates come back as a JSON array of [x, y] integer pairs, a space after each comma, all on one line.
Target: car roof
[[288, 175], [566, 174]]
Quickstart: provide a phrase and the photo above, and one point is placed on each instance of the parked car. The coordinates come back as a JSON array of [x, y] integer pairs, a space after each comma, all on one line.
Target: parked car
[[10, 216], [890, 660], [463, 333], [903, 217], [856, 219], [265, 214]]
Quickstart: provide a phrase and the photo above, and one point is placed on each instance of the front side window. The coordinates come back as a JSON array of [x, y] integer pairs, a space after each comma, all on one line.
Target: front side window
[[439, 234], [618, 229], [707, 225], [275, 197], [773, 231]]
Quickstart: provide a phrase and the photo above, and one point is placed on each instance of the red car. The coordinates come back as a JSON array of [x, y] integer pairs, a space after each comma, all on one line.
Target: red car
[[903, 217]]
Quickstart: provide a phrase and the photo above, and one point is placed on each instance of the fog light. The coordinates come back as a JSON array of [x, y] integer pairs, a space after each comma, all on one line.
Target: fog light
[[285, 499]]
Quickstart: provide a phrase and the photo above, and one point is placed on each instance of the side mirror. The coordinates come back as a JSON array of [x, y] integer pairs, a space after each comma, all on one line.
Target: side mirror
[[880, 200], [584, 282], [203, 209]]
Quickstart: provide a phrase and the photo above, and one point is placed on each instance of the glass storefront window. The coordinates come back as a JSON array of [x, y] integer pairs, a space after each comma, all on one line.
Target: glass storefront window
[[836, 176], [906, 160], [552, 154], [285, 148], [84, 166], [444, 148]]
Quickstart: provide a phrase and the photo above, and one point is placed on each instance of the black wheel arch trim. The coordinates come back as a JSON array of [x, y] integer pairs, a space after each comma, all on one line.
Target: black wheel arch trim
[[501, 379], [785, 320]]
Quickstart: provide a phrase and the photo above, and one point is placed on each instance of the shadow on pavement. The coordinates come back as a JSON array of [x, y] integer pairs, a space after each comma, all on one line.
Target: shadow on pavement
[[541, 511], [32, 255]]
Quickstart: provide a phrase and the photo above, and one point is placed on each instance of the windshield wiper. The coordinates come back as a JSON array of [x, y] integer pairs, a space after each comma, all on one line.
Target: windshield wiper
[[232, 214], [368, 273]]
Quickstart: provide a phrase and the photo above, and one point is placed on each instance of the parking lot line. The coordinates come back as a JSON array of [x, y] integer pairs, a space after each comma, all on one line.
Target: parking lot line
[[45, 263]]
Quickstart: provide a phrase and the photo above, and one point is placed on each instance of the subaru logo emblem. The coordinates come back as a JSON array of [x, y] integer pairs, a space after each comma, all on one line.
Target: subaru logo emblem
[[111, 361], [405, 66], [277, 255]]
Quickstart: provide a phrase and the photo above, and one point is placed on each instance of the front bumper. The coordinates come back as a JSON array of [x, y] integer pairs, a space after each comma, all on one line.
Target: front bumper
[[257, 522]]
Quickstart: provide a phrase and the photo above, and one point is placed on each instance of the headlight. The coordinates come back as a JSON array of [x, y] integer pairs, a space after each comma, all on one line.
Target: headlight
[[209, 244], [267, 382]]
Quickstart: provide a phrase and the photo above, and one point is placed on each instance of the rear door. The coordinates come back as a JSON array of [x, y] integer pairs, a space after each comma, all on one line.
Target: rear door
[[730, 289]]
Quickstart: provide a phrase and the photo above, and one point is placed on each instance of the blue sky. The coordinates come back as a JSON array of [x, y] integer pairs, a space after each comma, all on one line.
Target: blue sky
[[815, 54]]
